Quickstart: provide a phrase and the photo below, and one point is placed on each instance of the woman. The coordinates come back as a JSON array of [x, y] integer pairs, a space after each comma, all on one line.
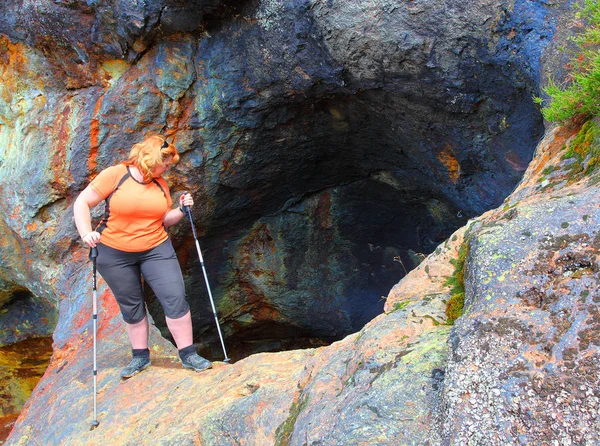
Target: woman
[[132, 242]]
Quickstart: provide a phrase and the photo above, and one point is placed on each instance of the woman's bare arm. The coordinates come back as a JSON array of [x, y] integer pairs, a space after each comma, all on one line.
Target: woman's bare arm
[[173, 216], [86, 200]]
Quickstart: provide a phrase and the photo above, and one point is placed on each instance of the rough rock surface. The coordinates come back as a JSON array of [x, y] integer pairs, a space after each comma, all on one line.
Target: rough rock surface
[[523, 363], [519, 367], [374, 129], [323, 139]]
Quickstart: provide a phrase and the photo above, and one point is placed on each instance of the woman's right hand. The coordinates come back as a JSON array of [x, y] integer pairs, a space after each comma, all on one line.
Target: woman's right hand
[[91, 238]]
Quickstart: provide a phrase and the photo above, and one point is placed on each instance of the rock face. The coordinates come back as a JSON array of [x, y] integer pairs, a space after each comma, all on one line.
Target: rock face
[[519, 367], [329, 144], [530, 335]]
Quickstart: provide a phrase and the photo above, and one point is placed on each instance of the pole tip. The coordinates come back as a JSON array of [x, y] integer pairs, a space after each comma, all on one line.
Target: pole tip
[[95, 424], [227, 360]]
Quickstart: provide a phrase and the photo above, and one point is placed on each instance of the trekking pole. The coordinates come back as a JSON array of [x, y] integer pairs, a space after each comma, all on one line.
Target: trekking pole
[[93, 255], [188, 212]]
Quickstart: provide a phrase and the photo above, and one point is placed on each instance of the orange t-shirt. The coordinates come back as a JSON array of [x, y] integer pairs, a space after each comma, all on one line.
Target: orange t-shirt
[[133, 217]]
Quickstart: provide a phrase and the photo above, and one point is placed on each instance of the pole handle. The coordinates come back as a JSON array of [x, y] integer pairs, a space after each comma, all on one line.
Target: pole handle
[[184, 208], [188, 213], [93, 256]]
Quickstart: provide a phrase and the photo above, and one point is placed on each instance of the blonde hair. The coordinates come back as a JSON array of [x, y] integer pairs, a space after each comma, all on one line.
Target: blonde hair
[[149, 153]]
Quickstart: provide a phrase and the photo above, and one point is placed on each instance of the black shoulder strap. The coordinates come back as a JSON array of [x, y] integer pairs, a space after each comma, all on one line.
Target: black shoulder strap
[[121, 181], [102, 224], [164, 193], [161, 188]]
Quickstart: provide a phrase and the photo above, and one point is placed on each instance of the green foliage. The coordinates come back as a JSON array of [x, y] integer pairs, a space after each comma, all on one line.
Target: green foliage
[[584, 150], [400, 305], [548, 170], [455, 306], [579, 96], [283, 434]]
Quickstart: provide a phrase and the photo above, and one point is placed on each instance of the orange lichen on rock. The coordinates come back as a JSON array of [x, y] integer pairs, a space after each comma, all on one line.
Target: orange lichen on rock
[[94, 132], [302, 73], [12, 57], [265, 313], [448, 159], [108, 309], [19, 74], [61, 140]]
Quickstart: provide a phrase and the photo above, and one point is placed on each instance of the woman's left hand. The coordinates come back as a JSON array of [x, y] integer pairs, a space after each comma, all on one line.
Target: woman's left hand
[[186, 200]]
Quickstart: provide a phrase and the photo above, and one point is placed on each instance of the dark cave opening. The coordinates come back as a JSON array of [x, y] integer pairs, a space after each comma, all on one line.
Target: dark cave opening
[[385, 231], [26, 326], [334, 196], [312, 235], [24, 315]]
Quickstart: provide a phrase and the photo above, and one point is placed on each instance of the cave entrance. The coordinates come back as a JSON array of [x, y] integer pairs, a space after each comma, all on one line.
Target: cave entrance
[[26, 326], [22, 365], [318, 213]]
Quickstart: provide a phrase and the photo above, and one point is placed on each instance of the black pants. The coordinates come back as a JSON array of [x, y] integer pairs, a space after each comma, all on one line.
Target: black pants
[[160, 268]]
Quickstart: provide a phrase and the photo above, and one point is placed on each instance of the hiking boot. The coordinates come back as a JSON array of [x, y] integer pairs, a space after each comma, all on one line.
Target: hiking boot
[[137, 364], [196, 362]]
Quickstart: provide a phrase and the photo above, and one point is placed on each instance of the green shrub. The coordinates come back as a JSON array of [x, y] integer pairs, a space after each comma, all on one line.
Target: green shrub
[[579, 97]]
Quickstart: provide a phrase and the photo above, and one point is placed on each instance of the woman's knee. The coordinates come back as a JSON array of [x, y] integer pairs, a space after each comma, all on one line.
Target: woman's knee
[[175, 308], [132, 314]]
